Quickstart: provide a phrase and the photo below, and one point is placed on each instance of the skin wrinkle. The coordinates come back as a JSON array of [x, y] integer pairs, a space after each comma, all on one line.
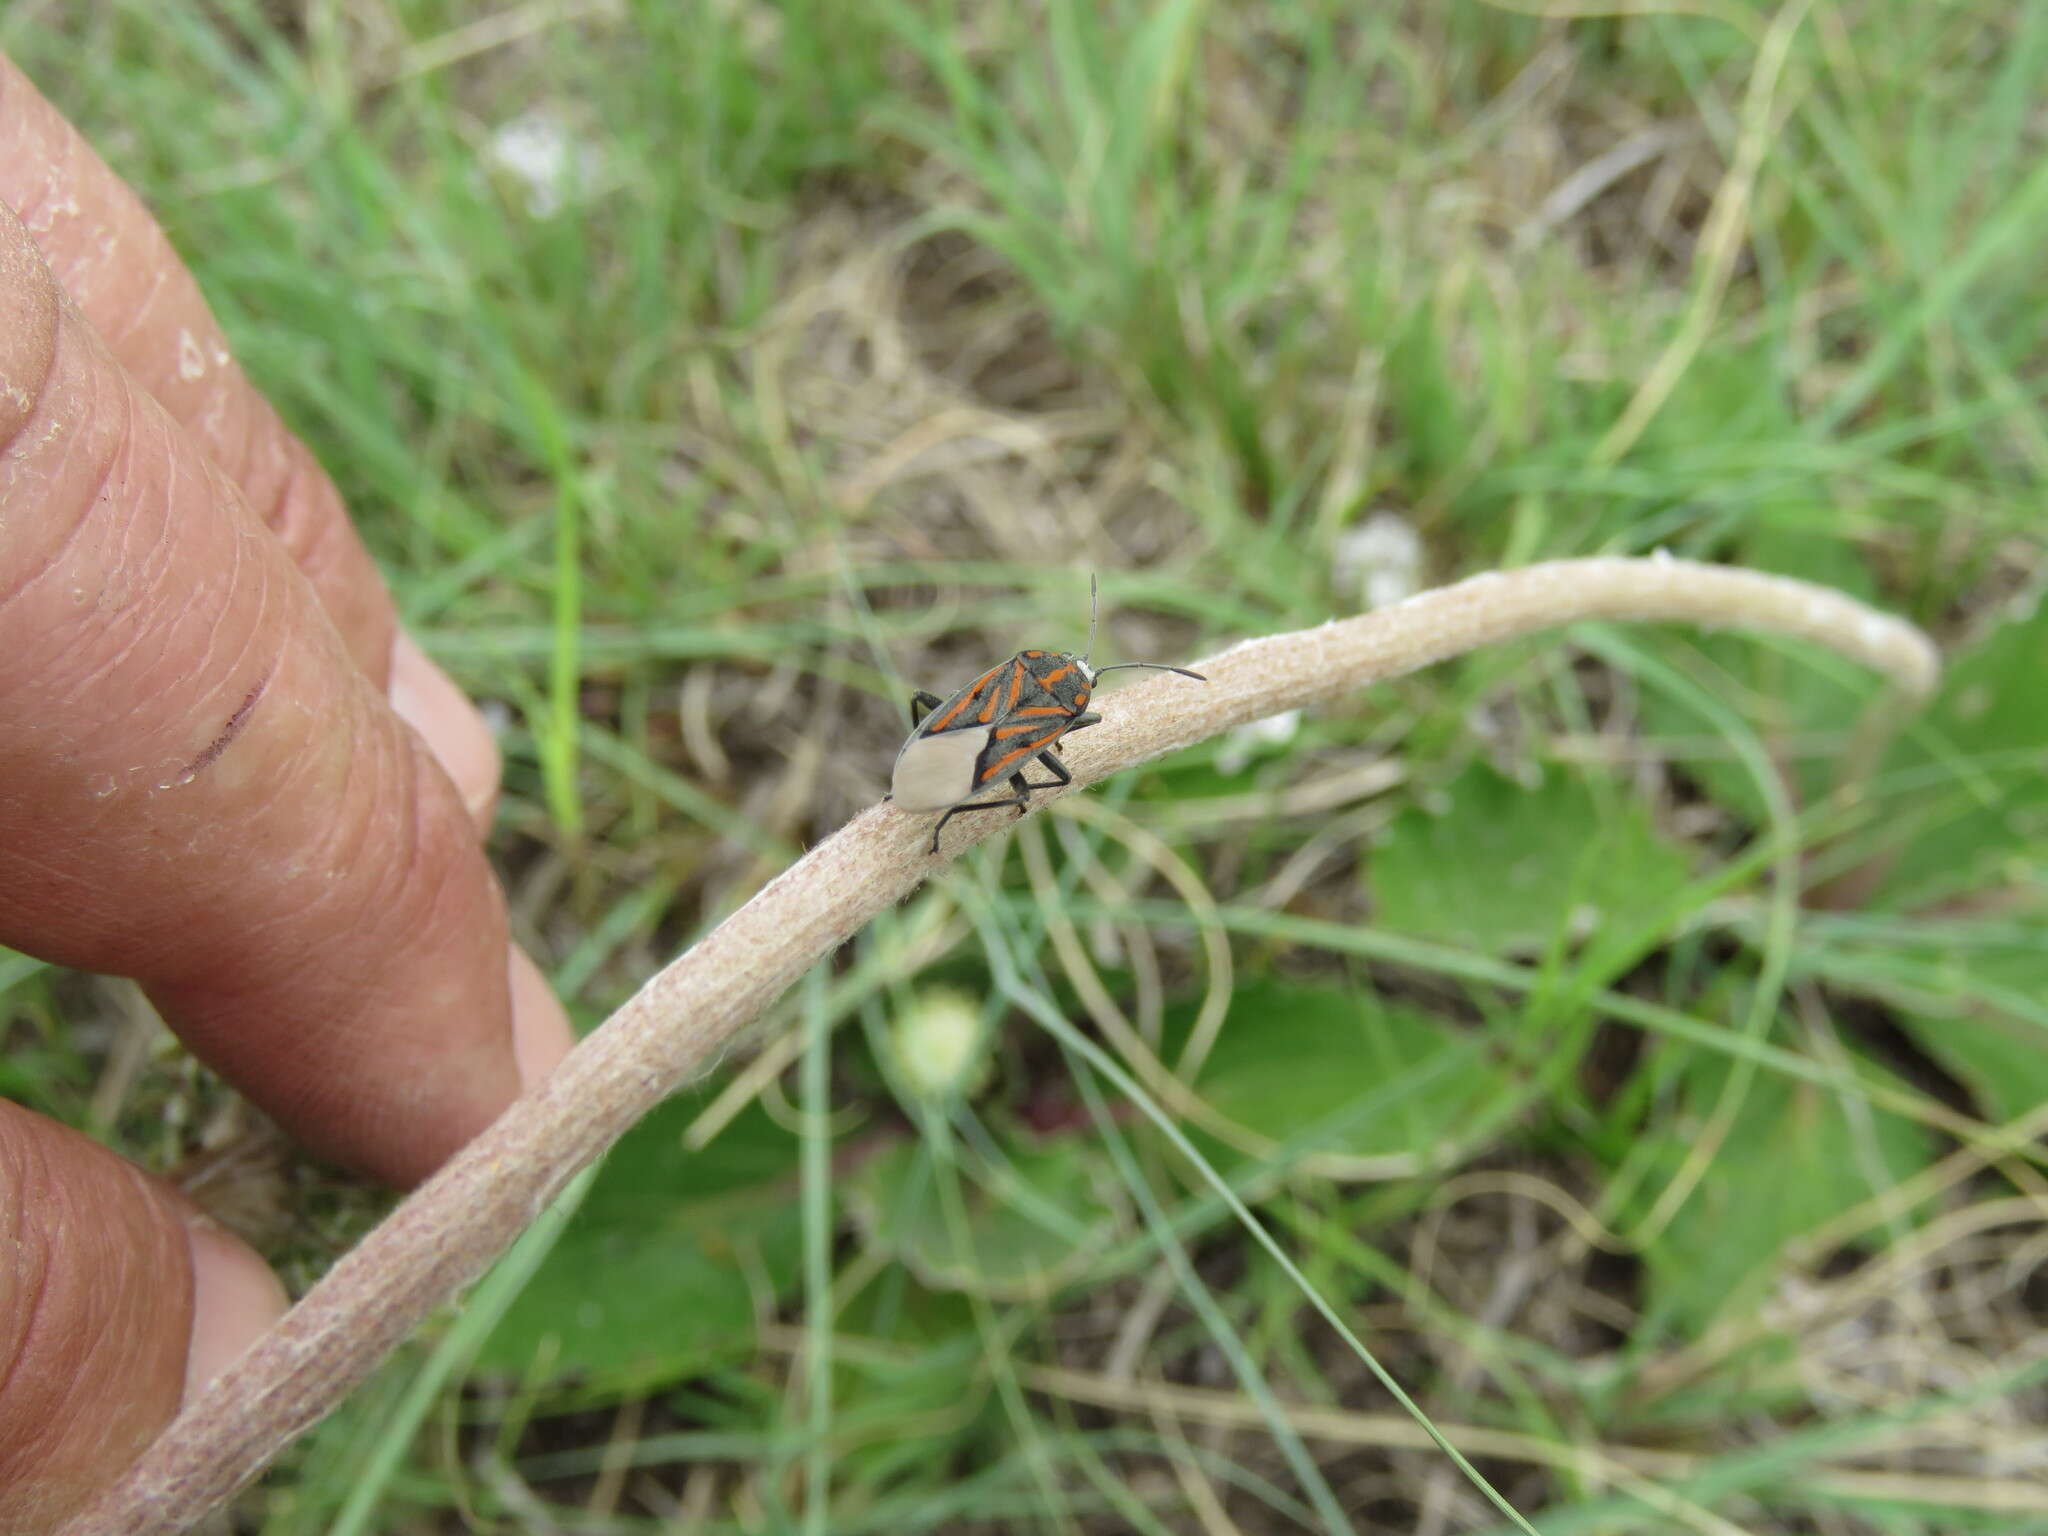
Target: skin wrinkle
[[38, 197], [332, 848], [411, 911], [250, 615], [288, 515], [147, 579], [24, 588], [143, 571], [47, 1428], [11, 492], [398, 796], [322, 544], [145, 435], [253, 616], [173, 1235], [340, 1055], [119, 334], [118, 417], [50, 875], [422, 909], [19, 1354], [289, 779], [401, 872], [42, 325], [125, 567], [324, 548]]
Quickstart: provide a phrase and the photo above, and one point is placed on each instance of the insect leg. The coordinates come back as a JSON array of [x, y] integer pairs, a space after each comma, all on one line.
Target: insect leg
[[1050, 759], [979, 805], [1061, 774]]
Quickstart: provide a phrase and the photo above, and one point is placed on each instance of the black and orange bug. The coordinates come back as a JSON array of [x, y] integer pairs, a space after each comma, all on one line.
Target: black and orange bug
[[998, 726]]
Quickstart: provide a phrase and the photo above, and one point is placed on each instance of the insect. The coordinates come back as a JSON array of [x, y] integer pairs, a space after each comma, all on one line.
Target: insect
[[998, 726]]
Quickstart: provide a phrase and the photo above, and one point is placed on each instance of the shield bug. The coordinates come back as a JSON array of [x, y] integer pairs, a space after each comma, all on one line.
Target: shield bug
[[995, 728]]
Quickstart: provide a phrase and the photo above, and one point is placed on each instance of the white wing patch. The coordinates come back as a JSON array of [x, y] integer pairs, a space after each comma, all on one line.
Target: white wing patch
[[936, 773]]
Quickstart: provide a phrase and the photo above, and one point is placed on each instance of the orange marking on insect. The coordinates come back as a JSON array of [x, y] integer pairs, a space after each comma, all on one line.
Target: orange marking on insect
[[1016, 686], [988, 705], [997, 768], [1042, 709], [1055, 675], [972, 693]]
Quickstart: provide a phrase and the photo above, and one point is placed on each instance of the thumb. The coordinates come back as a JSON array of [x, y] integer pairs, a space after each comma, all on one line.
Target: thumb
[[117, 1298]]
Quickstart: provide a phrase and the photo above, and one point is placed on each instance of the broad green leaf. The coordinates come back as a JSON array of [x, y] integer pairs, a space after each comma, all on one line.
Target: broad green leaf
[[1974, 807], [1972, 994], [664, 1268], [1344, 1072], [1790, 1162], [1505, 867], [1010, 1223], [2002, 1061]]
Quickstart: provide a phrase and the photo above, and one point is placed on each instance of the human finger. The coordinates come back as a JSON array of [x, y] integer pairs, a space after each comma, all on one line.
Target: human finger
[[118, 1298], [199, 789], [109, 254]]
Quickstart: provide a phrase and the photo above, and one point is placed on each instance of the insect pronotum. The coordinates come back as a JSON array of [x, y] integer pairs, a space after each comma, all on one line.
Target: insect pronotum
[[996, 727]]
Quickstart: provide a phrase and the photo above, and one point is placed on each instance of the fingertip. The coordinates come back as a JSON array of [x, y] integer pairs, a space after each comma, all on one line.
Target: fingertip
[[427, 699], [541, 1033], [235, 1299]]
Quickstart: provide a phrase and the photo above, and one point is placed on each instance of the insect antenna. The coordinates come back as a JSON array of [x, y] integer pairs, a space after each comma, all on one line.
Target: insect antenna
[[1156, 666]]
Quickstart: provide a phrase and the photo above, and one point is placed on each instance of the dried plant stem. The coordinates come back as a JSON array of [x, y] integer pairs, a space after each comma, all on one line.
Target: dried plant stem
[[457, 1223]]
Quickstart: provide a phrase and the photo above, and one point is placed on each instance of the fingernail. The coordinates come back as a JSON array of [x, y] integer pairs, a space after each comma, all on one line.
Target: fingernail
[[541, 1035], [235, 1298], [427, 699]]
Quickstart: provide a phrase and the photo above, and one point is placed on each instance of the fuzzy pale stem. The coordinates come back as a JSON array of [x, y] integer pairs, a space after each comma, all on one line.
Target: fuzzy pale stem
[[459, 1221]]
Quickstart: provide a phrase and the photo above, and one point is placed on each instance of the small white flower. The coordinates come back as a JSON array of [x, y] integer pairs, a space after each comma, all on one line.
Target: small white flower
[[1378, 563], [535, 150], [1245, 742]]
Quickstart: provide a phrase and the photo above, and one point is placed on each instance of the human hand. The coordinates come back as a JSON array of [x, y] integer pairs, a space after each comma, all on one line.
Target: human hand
[[225, 772]]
